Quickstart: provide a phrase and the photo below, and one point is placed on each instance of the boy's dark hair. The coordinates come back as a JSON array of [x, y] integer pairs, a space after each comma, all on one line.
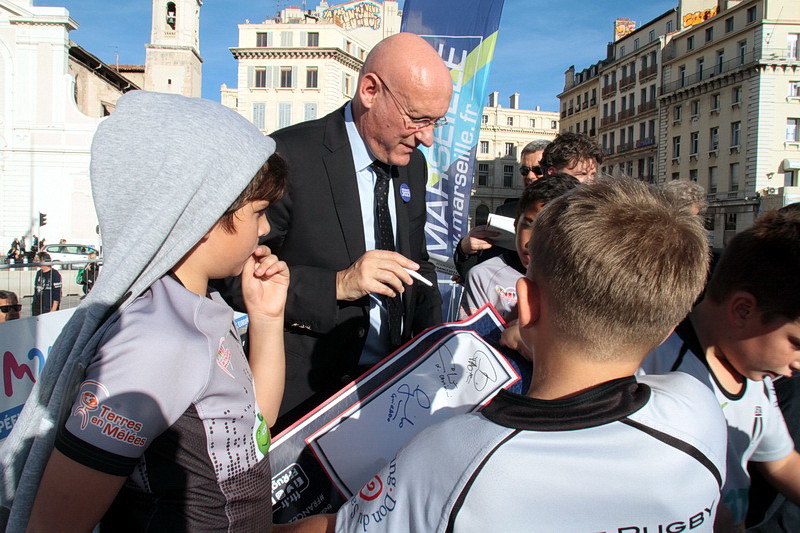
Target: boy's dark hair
[[546, 188], [44, 257], [620, 265], [764, 261], [790, 208], [268, 184], [569, 148]]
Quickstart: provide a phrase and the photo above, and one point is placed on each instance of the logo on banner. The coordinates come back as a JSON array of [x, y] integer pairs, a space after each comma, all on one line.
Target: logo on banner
[[288, 484]]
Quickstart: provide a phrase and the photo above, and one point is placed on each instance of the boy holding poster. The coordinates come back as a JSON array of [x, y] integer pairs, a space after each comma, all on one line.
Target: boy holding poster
[[615, 266]]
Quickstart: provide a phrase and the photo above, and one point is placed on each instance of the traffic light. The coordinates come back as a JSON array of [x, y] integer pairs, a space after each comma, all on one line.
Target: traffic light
[[42, 219]]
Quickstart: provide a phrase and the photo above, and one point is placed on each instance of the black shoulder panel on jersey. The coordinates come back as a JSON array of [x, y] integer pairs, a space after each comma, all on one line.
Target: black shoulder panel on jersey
[[678, 445]]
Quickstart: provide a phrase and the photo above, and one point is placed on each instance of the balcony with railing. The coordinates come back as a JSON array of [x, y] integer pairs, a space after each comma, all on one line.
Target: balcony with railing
[[605, 121], [609, 89], [744, 61], [627, 81], [627, 113], [647, 72], [646, 106], [624, 147]]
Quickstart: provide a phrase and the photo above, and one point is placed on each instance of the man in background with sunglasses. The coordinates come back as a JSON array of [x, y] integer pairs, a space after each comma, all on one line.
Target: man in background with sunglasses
[[9, 306], [351, 298], [529, 169]]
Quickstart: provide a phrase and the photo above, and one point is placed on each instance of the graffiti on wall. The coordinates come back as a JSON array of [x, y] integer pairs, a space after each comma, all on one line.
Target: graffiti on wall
[[361, 14], [691, 19]]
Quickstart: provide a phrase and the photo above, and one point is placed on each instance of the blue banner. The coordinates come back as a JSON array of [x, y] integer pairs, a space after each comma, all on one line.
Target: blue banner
[[464, 33]]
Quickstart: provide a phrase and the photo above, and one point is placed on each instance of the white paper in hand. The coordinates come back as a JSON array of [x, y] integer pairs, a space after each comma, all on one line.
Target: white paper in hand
[[504, 226]]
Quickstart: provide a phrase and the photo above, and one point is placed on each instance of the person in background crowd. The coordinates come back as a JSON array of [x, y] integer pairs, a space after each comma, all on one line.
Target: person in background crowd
[[46, 287], [531, 171], [90, 273], [689, 193], [574, 153], [9, 306]]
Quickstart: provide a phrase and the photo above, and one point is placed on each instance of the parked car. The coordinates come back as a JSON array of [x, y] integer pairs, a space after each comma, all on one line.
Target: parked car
[[70, 252]]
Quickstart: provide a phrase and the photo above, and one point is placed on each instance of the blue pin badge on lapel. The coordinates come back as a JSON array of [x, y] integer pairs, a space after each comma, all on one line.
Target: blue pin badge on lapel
[[405, 192]]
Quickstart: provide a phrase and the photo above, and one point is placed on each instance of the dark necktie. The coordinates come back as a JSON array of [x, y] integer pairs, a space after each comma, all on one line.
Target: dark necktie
[[384, 240]]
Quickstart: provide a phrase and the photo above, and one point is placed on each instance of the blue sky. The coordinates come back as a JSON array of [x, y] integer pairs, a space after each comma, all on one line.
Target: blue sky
[[538, 40]]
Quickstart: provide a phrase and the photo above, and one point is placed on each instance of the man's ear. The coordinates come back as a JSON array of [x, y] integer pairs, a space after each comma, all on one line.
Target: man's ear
[[741, 307], [367, 89], [528, 302]]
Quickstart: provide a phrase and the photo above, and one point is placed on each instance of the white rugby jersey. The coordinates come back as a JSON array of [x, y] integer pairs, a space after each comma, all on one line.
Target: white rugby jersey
[[626, 455], [756, 428]]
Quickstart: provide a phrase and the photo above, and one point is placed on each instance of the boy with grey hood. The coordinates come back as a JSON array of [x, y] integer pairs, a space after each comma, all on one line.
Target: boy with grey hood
[[147, 416]]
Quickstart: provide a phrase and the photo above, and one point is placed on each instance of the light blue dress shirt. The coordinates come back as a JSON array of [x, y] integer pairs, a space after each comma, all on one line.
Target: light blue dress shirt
[[377, 345]]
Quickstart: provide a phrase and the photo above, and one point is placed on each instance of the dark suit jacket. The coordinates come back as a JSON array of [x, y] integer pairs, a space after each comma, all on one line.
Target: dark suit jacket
[[317, 229]]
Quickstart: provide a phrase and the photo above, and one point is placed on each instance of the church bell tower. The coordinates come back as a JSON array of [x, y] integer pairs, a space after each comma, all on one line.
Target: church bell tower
[[172, 62]]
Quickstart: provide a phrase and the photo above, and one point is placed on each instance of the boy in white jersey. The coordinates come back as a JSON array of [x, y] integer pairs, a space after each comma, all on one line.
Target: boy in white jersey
[[745, 332], [168, 424], [614, 266]]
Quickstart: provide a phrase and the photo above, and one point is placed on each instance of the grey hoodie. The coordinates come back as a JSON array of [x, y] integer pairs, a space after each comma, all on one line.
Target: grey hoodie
[[164, 168]]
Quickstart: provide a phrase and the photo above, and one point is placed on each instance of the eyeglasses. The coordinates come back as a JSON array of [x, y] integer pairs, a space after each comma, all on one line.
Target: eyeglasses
[[11, 307], [536, 170], [415, 123]]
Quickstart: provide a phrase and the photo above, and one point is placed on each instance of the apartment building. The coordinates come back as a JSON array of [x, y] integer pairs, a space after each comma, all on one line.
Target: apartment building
[[303, 64], [707, 91]]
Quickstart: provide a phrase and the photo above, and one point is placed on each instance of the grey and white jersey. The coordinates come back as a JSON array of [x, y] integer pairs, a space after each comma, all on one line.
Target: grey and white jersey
[[625, 456], [756, 428], [169, 401]]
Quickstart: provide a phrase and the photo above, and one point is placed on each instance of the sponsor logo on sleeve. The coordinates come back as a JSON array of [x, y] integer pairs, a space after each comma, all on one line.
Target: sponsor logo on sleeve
[[111, 423]]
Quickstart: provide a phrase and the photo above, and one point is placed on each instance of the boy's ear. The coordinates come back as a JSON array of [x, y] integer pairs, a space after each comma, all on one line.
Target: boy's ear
[[528, 302], [742, 306]]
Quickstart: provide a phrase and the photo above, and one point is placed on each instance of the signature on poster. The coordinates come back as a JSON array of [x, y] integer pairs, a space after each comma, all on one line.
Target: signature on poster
[[480, 371], [404, 401], [447, 372]]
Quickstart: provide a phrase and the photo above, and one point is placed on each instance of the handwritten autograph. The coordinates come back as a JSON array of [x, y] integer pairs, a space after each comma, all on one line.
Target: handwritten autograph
[[480, 371], [401, 402]]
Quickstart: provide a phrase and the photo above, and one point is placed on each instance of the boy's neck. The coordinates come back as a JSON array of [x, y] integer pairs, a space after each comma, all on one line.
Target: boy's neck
[[708, 328], [561, 374], [191, 279]]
